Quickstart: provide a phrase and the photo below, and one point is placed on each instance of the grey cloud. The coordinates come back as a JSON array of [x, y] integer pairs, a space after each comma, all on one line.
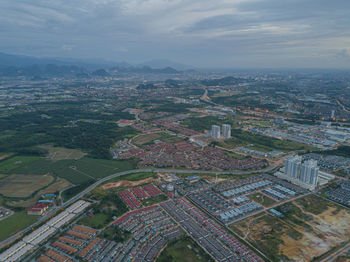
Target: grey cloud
[[217, 33]]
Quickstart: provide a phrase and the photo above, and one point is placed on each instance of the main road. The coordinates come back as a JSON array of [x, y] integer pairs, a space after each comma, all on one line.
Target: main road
[[14, 237]]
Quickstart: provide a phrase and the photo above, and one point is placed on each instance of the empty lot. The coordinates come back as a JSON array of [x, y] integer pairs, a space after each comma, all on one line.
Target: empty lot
[[310, 227]]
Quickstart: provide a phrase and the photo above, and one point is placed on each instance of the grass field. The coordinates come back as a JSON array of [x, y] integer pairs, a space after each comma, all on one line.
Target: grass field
[[262, 199], [154, 200], [71, 192], [310, 227], [61, 153], [261, 143], [97, 221], [23, 186], [76, 171], [15, 223], [183, 250], [16, 162]]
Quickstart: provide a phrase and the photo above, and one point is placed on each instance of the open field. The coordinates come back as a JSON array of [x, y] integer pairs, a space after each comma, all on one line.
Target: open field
[[16, 162], [97, 221], [15, 223], [183, 250], [76, 171], [61, 153], [309, 227], [145, 139], [262, 199], [23, 185], [149, 138], [57, 186], [110, 205], [261, 143]]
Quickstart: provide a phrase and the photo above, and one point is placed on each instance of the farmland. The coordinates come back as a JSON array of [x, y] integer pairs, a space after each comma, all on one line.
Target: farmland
[[76, 171], [16, 162], [55, 187], [308, 228], [23, 186]]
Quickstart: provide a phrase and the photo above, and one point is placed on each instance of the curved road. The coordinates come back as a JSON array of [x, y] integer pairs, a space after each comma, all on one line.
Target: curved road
[[14, 237]]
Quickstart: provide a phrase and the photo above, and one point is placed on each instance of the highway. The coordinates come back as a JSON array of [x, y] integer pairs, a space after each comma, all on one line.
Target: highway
[[14, 237]]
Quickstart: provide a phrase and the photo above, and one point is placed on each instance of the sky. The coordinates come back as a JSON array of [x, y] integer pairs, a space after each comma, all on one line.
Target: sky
[[202, 33]]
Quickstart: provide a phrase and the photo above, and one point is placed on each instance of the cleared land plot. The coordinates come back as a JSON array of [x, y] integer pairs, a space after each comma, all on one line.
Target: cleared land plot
[[310, 227], [183, 250], [23, 185], [16, 162], [262, 199], [76, 171], [61, 153], [3, 156], [15, 223], [130, 183]]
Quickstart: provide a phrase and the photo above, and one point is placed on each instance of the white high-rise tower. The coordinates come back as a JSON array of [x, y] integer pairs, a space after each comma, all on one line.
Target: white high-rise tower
[[215, 131], [226, 131]]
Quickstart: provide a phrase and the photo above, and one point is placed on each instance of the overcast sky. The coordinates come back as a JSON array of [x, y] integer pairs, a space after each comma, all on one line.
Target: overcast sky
[[205, 33]]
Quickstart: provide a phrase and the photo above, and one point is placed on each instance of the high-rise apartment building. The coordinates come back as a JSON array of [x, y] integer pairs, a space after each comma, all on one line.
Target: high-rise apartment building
[[302, 173], [226, 131], [215, 131]]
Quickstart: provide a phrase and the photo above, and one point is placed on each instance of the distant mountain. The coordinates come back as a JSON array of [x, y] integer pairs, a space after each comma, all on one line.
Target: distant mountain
[[19, 65], [100, 73], [164, 63], [38, 71], [8, 60]]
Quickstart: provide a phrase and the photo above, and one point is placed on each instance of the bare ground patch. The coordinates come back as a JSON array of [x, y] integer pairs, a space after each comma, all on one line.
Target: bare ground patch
[[127, 183], [61, 153]]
